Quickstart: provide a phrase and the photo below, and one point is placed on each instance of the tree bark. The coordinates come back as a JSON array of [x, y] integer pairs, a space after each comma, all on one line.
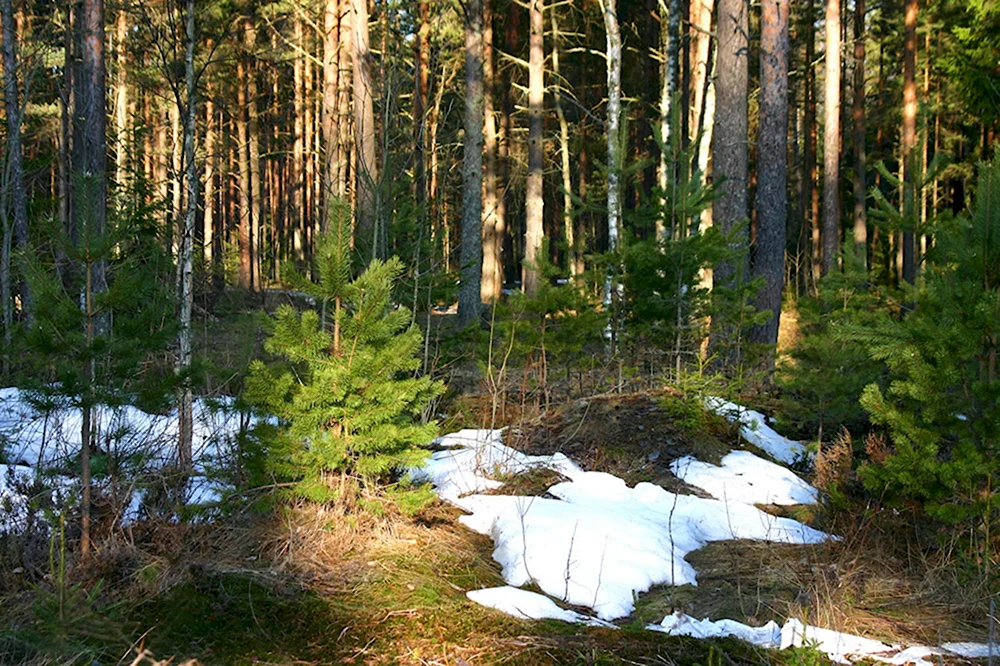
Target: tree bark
[[331, 128], [772, 167], [729, 141], [534, 230], [909, 147], [185, 425], [614, 142], [860, 186], [14, 173], [493, 231], [254, 155], [366, 234], [208, 220], [243, 187], [831, 139], [298, 151], [469, 300], [90, 206], [567, 185], [420, 101]]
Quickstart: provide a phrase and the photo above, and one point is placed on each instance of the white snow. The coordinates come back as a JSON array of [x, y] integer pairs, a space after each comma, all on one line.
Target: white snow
[[594, 542], [745, 477], [529, 605], [42, 444], [756, 431]]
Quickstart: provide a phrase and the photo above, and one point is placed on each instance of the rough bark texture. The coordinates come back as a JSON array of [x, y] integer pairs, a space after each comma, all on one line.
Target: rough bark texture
[[366, 234], [534, 205], [16, 194], [493, 232], [567, 184], [909, 139], [772, 166], [469, 300], [860, 186], [246, 251], [614, 139], [331, 129], [90, 199], [254, 154], [729, 141], [185, 420], [831, 139]]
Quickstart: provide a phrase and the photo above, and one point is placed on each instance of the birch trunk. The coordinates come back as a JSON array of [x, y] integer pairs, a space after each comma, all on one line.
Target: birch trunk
[[185, 425], [567, 185], [614, 140]]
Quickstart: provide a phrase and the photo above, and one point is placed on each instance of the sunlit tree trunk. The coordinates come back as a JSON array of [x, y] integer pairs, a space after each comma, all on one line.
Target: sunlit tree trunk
[[243, 186], [492, 278], [534, 230], [909, 147], [831, 139], [298, 151], [254, 155], [567, 185], [469, 301], [366, 235], [331, 128]]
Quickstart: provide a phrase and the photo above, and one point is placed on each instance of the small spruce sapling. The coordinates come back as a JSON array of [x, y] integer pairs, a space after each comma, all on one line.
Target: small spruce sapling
[[348, 389]]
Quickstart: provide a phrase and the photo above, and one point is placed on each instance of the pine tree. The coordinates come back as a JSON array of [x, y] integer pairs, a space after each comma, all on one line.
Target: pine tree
[[347, 390], [942, 406]]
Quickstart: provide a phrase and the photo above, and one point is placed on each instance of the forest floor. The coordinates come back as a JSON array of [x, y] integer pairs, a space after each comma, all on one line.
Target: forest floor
[[361, 583]]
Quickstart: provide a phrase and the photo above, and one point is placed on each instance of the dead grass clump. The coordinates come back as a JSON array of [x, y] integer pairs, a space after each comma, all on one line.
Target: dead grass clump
[[834, 464]]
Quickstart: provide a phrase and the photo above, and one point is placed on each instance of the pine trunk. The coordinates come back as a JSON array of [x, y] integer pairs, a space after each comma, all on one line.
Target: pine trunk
[[772, 167], [860, 186], [492, 278], [831, 139], [534, 230], [729, 141], [909, 147], [469, 300], [366, 233]]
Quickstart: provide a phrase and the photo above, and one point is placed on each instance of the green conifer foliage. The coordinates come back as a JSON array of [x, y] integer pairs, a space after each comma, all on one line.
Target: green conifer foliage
[[348, 392], [942, 405]]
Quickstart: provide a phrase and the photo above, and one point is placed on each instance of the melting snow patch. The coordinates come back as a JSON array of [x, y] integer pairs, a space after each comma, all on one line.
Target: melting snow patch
[[529, 606], [745, 477], [756, 431]]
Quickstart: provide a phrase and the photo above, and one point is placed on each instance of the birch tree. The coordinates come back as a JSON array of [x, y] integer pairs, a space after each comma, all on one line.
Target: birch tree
[[613, 131]]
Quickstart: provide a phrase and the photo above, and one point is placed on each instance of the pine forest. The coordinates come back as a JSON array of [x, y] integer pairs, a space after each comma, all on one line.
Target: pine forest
[[480, 332]]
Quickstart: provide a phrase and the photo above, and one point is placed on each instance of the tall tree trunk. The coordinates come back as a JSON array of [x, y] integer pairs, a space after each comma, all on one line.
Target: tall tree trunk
[[809, 246], [121, 96], [331, 128], [254, 155], [421, 81], [243, 186], [298, 151], [701, 44], [469, 300], [14, 186], [90, 206], [208, 219], [860, 186], [567, 185], [614, 139], [345, 92], [772, 167], [366, 235], [831, 139], [185, 425], [729, 141], [492, 279], [670, 42], [534, 229], [909, 147]]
